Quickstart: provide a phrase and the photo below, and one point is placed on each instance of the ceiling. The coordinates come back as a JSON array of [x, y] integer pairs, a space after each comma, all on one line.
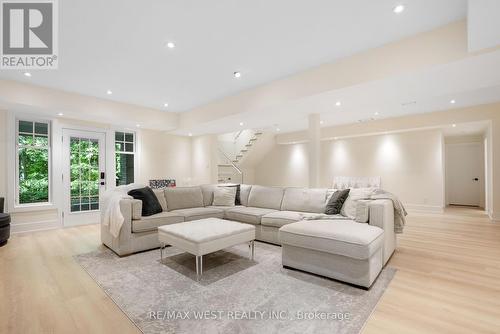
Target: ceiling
[[468, 82], [120, 44]]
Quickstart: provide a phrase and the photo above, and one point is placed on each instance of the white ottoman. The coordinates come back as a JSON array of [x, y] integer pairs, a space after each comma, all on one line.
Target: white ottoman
[[343, 250], [200, 237]]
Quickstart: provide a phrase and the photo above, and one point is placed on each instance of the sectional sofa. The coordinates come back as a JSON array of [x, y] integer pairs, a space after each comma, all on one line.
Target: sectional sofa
[[344, 249]]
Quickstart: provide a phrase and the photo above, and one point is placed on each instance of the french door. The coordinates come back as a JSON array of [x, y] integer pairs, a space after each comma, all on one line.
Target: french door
[[83, 176]]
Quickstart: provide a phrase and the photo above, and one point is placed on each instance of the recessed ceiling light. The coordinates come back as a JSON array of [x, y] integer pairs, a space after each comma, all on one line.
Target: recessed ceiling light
[[237, 74], [376, 113], [398, 9], [109, 92], [454, 125], [170, 45], [338, 104], [453, 101], [60, 114], [190, 134], [27, 74], [321, 122], [241, 123]]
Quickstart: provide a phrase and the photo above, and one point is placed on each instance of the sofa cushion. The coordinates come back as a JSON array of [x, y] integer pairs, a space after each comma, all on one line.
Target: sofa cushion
[[342, 237], [151, 223], [247, 214], [304, 200], [265, 197], [150, 204], [207, 191], [280, 218], [183, 198], [199, 213], [244, 193]]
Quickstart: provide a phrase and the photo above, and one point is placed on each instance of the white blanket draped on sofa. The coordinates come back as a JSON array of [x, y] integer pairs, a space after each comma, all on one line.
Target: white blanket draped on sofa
[[110, 207]]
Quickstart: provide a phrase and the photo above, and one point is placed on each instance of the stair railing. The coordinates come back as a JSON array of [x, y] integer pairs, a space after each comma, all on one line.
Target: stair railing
[[232, 163]]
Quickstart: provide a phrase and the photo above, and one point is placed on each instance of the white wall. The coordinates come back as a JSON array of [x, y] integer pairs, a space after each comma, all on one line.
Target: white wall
[[410, 165], [164, 156], [204, 159]]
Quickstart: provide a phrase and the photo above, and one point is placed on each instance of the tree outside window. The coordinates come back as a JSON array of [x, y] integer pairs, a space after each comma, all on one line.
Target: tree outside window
[[33, 149]]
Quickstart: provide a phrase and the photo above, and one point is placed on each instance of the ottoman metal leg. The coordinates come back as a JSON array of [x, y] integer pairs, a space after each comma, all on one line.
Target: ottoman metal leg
[[251, 247], [162, 246], [199, 265]]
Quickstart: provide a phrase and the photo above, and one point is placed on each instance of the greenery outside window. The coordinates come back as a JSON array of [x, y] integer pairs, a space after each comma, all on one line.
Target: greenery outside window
[[124, 157], [33, 155]]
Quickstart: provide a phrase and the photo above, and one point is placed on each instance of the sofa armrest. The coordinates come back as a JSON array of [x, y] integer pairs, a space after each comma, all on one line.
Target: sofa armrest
[[121, 244], [136, 209], [382, 215]]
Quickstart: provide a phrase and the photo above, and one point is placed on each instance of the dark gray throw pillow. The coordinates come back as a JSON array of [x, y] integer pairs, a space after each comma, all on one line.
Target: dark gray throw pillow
[[336, 201], [150, 203]]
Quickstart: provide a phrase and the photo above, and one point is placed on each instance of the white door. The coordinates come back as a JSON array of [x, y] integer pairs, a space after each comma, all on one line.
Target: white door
[[464, 173], [83, 176]]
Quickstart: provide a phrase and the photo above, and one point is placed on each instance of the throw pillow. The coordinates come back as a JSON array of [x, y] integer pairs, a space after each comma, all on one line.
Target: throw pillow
[[224, 196], [150, 204], [160, 195], [237, 200], [349, 207], [336, 201]]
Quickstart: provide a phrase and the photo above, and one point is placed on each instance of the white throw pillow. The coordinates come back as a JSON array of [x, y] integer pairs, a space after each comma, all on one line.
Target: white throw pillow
[[224, 196], [355, 194], [160, 195]]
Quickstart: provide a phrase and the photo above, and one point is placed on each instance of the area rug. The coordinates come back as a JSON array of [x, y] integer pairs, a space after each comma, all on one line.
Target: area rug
[[234, 295]]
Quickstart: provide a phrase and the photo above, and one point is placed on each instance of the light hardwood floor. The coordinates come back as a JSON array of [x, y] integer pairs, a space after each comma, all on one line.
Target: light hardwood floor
[[448, 281]]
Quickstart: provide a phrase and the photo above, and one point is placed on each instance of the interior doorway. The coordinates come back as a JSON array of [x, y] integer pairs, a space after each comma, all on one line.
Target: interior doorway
[[465, 172]]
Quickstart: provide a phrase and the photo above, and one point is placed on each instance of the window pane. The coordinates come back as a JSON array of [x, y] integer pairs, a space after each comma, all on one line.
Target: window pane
[[33, 175], [42, 128], [129, 147], [42, 141], [124, 169], [120, 147], [25, 126], [119, 136], [129, 137], [26, 140], [75, 204]]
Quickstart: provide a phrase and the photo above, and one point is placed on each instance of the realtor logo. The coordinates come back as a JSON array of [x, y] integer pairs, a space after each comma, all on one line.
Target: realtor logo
[[29, 34]]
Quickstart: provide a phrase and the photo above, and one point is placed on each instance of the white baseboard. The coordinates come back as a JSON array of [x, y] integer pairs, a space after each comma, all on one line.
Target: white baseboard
[[494, 216], [420, 208], [34, 226]]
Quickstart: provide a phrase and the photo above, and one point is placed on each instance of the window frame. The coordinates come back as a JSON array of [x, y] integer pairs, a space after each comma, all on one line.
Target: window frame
[[133, 152], [17, 202]]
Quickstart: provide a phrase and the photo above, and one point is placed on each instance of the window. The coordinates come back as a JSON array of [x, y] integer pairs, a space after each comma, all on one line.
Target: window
[[33, 153], [125, 149]]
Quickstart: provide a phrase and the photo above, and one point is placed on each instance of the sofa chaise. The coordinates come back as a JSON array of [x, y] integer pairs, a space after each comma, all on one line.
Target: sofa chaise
[[345, 250]]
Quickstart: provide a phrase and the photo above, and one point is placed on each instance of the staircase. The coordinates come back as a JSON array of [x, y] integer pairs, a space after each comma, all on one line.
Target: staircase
[[232, 154]]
